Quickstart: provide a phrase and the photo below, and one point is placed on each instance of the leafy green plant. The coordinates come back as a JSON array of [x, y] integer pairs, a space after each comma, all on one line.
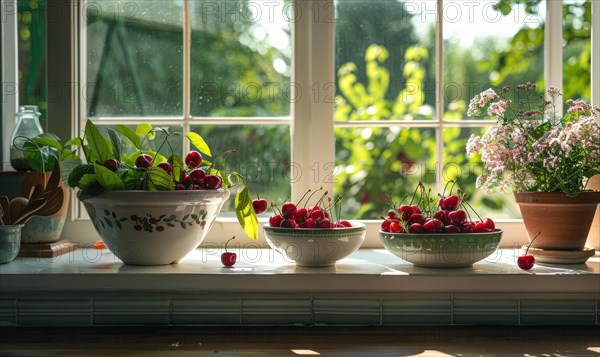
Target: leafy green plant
[[116, 162]]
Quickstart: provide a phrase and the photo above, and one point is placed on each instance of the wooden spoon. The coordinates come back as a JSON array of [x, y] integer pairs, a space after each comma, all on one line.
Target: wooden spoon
[[17, 206], [54, 201], [5, 203], [32, 207]]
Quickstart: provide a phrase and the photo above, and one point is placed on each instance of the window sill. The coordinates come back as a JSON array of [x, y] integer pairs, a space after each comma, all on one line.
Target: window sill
[[371, 287]]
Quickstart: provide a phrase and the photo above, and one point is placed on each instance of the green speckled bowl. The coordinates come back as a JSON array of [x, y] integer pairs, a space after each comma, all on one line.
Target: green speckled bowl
[[316, 247], [457, 250]]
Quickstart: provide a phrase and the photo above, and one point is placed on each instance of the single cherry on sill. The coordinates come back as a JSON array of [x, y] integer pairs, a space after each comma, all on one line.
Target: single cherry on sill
[[228, 258], [260, 205], [526, 261]]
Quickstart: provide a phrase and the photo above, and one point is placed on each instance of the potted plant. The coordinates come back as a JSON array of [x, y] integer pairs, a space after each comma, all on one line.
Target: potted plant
[[150, 209], [546, 159], [43, 154]]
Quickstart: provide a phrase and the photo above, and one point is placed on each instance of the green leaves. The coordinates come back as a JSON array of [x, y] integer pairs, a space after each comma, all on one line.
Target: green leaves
[[199, 143], [159, 180], [245, 213], [130, 134], [99, 146], [108, 179]]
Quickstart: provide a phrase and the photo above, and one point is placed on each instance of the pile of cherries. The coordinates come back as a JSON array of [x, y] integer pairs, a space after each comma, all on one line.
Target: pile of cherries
[[193, 176], [293, 216], [447, 215]]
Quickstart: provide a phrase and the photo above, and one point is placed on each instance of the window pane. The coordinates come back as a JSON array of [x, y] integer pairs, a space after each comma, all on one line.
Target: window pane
[[262, 157], [376, 164], [384, 60], [134, 58], [241, 58], [31, 22], [577, 49], [487, 47], [457, 166]]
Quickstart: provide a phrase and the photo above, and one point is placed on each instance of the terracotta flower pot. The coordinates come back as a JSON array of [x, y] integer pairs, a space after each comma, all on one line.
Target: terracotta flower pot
[[563, 222]]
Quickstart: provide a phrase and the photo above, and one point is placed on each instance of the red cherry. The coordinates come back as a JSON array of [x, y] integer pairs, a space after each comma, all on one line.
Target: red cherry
[[212, 182], [288, 210], [396, 227], [197, 176], [325, 223], [451, 203], [416, 209], [486, 226], [275, 220], [193, 159], [111, 164], [526, 262], [468, 228], [259, 205], [385, 225], [166, 166], [301, 215], [144, 161], [416, 228], [451, 229], [416, 218], [392, 214], [185, 179], [433, 226], [287, 223], [346, 224], [457, 217], [442, 216], [405, 212], [317, 215], [228, 258], [179, 187], [309, 223]]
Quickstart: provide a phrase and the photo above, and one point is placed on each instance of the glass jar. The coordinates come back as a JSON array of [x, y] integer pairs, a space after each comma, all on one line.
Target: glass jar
[[27, 126]]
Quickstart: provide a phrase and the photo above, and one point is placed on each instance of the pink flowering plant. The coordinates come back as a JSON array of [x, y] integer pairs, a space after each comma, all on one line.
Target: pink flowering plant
[[531, 147]]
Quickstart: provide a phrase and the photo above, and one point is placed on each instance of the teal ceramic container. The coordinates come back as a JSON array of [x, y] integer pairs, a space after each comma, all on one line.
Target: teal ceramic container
[[10, 242]]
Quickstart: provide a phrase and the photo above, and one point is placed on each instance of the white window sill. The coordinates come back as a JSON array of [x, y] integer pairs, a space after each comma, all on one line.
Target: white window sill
[[370, 288], [260, 270]]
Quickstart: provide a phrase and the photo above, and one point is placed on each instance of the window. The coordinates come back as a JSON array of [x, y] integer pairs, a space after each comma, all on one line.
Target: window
[[280, 80]]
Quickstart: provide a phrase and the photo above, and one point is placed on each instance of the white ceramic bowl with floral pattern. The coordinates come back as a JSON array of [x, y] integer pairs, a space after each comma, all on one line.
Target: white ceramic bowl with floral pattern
[[316, 247], [154, 227]]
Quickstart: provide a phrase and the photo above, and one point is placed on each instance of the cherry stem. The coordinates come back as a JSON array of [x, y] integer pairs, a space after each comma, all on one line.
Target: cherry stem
[[275, 208], [452, 187], [222, 156], [415, 193], [445, 187], [530, 243], [471, 207], [304, 195], [309, 197], [230, 239], [322, 197]]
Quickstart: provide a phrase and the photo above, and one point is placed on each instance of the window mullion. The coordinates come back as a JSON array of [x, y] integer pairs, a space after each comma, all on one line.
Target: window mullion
[[187, 80], [595, 52], [439, 96], [313, 157], [10, 63], [553, 48]]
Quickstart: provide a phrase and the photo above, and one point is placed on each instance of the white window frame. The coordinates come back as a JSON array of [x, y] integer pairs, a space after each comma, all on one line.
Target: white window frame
[[313, 119]]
